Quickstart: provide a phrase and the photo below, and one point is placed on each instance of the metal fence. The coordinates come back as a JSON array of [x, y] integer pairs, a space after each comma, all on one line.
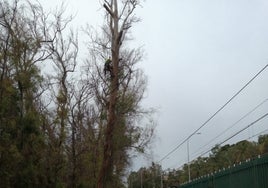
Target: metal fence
[[249, 174]]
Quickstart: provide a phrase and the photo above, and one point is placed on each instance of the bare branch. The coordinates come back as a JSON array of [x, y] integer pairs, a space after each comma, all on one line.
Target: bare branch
[[108, 10]]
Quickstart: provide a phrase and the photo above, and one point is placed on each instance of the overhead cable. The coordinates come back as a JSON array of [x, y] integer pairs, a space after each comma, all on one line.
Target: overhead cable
[[211, 117], [263, 116], [234, 124]]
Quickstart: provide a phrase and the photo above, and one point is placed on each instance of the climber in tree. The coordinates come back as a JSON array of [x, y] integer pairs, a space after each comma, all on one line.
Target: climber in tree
[[108, 66]]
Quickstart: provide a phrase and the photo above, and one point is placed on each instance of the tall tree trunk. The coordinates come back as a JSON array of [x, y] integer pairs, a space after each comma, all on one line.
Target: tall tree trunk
[[106, 171]]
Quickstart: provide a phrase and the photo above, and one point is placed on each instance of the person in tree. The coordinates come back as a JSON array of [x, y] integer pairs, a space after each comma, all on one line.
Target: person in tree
[[108, 66]]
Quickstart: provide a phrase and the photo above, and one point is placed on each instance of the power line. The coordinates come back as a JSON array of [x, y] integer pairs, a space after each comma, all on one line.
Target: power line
[[203, 153], [234, 124], [249, 125], [258, 134], [211, 117]]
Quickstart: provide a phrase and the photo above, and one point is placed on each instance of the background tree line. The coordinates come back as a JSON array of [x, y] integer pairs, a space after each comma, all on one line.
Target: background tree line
[[219, 158], [63, 123]]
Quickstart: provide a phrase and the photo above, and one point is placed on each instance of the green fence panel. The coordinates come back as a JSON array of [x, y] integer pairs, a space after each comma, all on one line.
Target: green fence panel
[[250, 174], [261, 172]]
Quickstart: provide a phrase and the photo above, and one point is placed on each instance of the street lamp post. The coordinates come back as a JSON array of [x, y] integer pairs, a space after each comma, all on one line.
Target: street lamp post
[[161, 176], [188, 156]]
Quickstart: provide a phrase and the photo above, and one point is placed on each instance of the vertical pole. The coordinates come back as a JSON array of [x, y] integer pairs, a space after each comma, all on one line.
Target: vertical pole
[[188, 154], [153, 178], [161, 176], [141, 179]]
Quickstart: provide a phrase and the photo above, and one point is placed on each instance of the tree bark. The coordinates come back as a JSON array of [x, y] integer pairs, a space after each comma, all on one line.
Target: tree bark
[[106, 171]]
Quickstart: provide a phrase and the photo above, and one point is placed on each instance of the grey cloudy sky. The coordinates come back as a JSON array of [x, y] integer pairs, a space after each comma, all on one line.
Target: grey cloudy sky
[[199, 54]]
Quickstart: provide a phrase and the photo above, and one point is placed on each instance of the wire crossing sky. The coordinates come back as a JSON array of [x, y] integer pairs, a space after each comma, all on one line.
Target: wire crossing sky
[[211, 117], [251, 124], [234, 124]]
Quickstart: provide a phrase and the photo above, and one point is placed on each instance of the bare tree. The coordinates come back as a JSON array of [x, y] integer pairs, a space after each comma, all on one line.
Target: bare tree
[[65, 130], [64, 51], [119, 93]]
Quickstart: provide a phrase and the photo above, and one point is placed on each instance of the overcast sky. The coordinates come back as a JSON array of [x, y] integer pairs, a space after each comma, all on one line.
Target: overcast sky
[[199, 54]]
